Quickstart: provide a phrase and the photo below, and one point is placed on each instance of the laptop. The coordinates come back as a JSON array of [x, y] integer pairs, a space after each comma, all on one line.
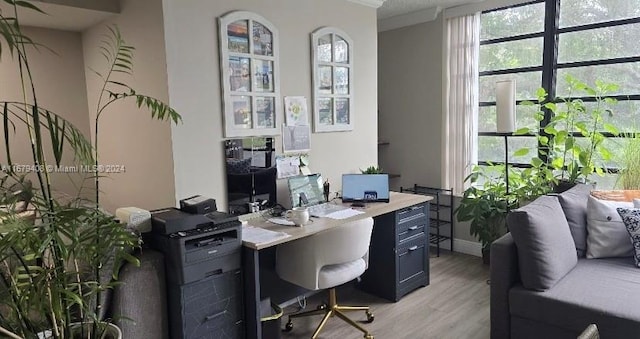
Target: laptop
[[306, 190], [365, 188]]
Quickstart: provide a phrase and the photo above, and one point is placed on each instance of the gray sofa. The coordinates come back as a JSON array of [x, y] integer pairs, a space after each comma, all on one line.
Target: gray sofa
[[139, 306], [601, 291]]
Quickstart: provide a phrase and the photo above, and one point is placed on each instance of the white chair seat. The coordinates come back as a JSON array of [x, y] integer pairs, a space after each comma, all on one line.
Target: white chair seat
[[334, 275]]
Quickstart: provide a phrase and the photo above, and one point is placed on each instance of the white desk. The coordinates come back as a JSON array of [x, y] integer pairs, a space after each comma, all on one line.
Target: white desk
[[251, 251]]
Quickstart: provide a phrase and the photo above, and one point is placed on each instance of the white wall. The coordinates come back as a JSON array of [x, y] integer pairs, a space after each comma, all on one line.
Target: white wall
[[127, 135], [410, 103], [194, 85], [410, 95], [58, 74]]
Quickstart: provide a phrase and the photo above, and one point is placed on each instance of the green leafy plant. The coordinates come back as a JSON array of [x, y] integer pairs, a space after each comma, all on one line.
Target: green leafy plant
[[629, 160], [572, 143], [371, 170], [56, 263], [485, 204]]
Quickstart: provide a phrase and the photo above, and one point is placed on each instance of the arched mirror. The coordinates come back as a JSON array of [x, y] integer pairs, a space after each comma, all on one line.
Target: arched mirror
[[332, 52]]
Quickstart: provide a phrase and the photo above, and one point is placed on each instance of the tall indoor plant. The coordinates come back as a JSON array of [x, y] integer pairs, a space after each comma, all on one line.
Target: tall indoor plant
[[56, 263], [572, 142]]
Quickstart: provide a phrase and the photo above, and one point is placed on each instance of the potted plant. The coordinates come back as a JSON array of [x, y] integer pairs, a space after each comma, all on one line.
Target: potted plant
[[371, 170], [572, 143], [485, 204], [56, 263]]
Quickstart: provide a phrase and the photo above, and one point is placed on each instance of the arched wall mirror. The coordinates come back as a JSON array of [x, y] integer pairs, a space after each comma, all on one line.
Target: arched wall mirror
[[332, 52], [250, 75]]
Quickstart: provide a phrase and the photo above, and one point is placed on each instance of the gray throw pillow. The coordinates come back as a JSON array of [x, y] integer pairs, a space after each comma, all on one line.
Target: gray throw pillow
[[607, 236], [631, 219], [239, 166], [574, 206], [546, 251]]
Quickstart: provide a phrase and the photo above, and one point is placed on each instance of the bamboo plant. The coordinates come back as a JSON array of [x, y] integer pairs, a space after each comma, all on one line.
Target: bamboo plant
[[54, 267]]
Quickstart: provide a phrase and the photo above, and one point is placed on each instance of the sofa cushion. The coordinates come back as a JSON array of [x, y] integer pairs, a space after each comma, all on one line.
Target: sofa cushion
[[601, 291], [238, 166], [606, 234], [574, 206], [546, 251], [636, 203], [631, 219]]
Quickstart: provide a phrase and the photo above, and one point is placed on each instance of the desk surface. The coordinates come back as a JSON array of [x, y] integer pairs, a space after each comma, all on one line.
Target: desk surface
[[396, 201]]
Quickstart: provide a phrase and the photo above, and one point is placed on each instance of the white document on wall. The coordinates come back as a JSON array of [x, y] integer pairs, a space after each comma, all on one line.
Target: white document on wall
[[288, 166]]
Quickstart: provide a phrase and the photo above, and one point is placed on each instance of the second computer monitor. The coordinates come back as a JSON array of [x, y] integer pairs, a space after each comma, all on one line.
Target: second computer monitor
[[365, 187]]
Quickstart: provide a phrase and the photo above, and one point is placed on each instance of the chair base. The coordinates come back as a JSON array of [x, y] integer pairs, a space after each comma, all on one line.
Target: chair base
[[333, 309]]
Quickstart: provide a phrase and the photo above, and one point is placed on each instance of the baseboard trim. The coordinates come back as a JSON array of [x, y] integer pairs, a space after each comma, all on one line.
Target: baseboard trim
[[463, 246]]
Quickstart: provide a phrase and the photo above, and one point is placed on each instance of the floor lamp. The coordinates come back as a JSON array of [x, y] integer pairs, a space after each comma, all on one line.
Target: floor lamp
[[505, 118]]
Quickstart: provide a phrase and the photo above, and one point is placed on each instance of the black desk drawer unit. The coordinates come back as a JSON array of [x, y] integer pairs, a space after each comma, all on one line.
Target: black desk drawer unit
[[400, 250]]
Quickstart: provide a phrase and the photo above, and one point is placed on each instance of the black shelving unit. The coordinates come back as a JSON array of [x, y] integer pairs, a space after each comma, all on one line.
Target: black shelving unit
[[441, 216]]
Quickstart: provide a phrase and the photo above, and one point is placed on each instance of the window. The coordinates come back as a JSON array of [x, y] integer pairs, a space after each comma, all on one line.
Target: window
[[596, 39], [332, 52], [250, 75]]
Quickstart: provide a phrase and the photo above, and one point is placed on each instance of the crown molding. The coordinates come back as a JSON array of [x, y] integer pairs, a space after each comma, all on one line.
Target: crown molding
[[369, 3], [409, 19]]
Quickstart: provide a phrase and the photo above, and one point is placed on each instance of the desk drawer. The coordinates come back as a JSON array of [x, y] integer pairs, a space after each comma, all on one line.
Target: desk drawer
[[413, 214], [411, 230], [212, 306], [412, 259]]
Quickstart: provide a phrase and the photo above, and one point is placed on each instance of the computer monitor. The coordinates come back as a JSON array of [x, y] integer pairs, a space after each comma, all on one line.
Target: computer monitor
[[365, 187], [306, 190]]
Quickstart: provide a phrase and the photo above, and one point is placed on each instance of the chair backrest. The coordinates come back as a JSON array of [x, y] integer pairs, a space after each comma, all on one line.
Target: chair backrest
[[300, 261]]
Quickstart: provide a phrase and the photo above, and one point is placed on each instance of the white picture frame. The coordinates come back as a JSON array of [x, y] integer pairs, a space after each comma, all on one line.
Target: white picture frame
[[250, 68], [332, 77]]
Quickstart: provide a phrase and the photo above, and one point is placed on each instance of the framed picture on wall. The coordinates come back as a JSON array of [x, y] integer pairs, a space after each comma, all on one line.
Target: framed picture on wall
[[242, 112], [265, 112], [250, 75], [239, 74]]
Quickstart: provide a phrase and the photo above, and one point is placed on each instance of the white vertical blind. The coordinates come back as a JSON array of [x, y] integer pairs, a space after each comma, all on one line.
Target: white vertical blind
[[461, 104]]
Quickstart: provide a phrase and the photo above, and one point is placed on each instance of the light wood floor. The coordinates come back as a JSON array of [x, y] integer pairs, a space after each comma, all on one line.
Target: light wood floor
[[454, 305]]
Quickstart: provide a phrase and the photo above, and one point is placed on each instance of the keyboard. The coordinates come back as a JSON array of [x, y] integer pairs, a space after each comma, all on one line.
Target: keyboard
[[323, 209]]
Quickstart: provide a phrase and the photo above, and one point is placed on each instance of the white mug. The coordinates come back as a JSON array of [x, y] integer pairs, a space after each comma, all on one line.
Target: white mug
[[297, 215]]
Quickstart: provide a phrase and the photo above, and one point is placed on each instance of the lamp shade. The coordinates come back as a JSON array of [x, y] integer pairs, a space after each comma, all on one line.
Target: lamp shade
[[506, 106]]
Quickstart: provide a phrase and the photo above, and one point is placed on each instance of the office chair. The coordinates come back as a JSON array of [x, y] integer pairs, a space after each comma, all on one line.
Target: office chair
[[324, 261]]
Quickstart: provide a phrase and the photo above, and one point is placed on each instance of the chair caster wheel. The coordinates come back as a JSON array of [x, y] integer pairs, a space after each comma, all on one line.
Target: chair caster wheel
[[321, 307], [368, 336], [370, 317], [288, 327]]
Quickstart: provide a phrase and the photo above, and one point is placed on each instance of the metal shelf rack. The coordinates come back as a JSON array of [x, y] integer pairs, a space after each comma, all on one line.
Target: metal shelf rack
[[441, 214]]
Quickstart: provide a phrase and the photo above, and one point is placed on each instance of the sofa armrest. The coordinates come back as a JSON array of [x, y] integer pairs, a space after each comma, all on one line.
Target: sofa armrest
[[504, 274], [139, 304]]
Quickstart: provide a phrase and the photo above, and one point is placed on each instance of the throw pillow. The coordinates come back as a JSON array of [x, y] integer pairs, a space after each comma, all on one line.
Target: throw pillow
[[546, 251], [606, 234], [631, 219], [574, 206], [238, 166]]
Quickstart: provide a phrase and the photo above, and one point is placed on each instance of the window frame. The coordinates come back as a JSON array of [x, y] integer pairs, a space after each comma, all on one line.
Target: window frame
[[550, 65]]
